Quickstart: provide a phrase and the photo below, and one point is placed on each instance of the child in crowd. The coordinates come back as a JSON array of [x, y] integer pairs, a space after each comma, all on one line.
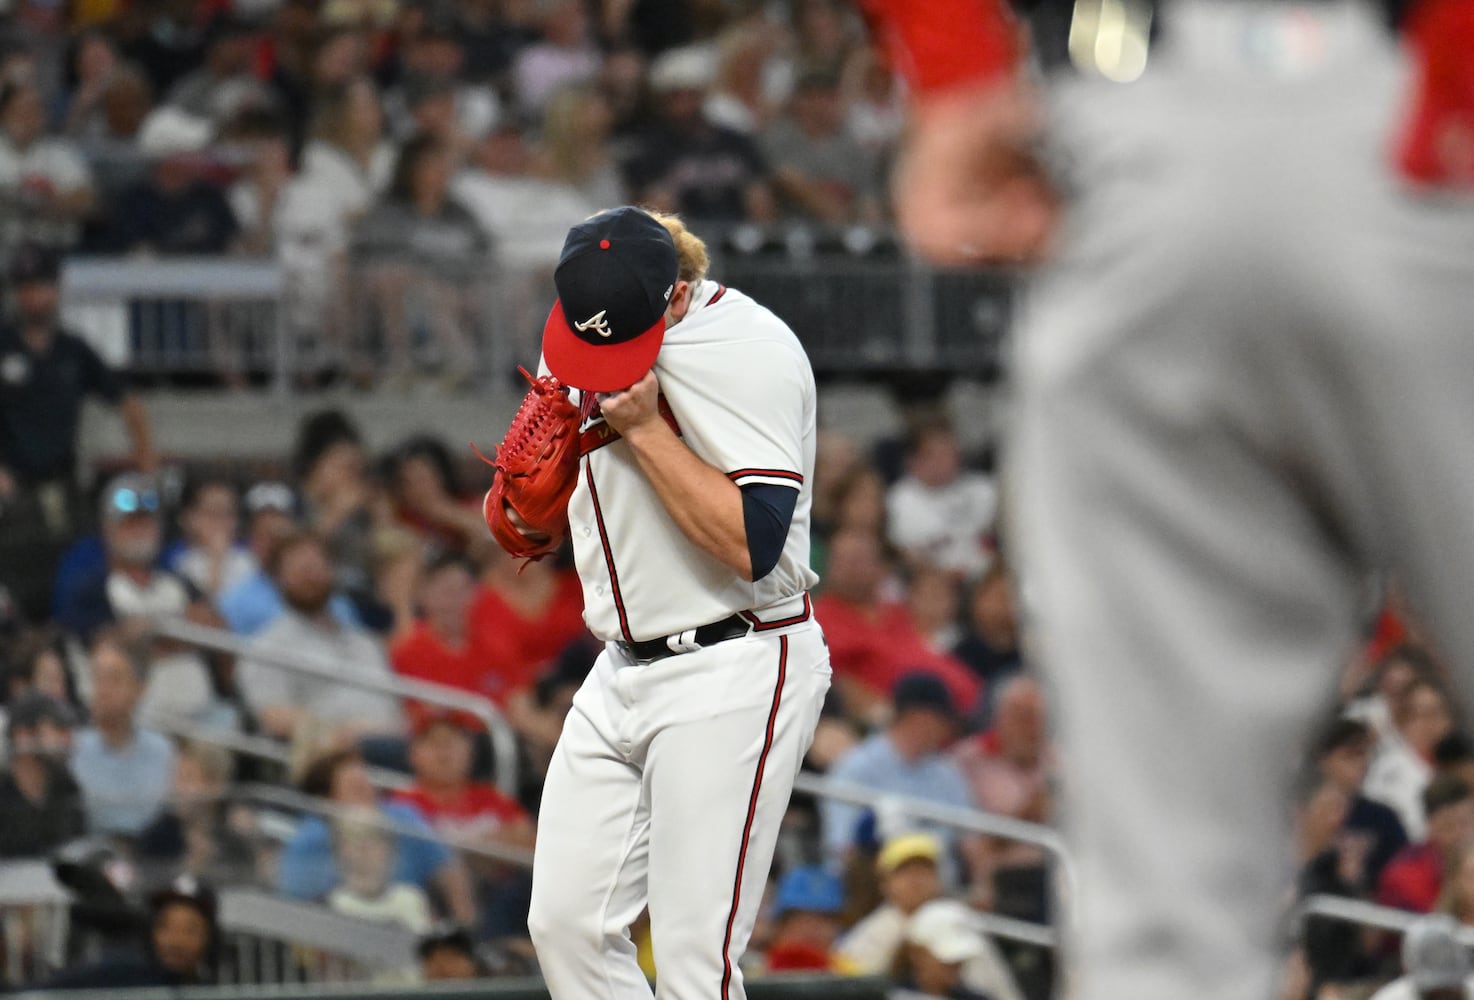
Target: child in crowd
[[365, 856]]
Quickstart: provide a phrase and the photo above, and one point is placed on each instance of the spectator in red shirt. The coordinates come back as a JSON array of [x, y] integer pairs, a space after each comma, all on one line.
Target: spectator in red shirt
[[872, 641], [1413, 878], [437, 646], [521, 619], [441, 755]]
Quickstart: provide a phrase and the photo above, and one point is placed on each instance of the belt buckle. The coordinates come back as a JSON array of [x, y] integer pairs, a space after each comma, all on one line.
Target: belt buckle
[[628, 649], [634, 657]]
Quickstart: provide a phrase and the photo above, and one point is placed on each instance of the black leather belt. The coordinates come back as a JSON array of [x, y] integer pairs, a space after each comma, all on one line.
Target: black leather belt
[[650, 650]]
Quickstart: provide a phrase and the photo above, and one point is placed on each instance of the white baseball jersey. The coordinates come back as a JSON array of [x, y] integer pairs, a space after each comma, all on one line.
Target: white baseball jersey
[[671, 777], [738, 389]]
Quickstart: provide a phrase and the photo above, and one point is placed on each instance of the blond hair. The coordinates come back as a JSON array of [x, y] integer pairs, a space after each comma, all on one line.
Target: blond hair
[[690, 251]]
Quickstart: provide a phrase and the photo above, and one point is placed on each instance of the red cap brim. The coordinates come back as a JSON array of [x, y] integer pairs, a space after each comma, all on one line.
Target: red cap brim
[[598, 367]]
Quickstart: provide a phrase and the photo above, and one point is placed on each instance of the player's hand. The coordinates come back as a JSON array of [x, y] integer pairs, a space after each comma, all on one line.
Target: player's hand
[[631, 408], [969, 189]]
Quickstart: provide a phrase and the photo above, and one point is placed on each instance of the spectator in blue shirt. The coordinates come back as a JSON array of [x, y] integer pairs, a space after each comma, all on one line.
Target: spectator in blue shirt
[[125, 772], [906, 759], [308, 869], [255, 602]]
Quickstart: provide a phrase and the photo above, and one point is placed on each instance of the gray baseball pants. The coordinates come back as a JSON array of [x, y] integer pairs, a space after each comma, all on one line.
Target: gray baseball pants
[[1246, 380]]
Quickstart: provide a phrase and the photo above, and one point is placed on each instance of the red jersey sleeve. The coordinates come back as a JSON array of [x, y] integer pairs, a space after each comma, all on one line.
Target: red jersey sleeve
[[1435, 146], [942, 44]]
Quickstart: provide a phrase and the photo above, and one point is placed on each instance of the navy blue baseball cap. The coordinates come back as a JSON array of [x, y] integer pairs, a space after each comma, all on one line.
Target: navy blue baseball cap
[[923, 689], [614, 279]]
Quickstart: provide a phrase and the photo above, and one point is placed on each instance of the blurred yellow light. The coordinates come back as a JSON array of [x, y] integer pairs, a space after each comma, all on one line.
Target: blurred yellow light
[[1109, 38]]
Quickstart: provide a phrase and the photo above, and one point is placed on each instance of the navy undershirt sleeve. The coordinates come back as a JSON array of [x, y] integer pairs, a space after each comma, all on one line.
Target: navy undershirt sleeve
[[767, 511]]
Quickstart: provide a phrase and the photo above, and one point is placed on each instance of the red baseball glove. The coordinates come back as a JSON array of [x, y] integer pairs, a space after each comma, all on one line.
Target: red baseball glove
[[536, 469]]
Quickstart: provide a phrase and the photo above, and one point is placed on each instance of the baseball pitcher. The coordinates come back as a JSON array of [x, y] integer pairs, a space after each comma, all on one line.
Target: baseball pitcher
[[680, 462]]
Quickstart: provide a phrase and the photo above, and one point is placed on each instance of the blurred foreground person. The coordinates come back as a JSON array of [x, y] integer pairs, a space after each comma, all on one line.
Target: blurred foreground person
[[1241, 385]]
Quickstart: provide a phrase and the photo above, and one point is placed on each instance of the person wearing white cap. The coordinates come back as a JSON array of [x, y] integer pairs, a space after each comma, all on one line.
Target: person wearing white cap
[[949, 956], [1436, 964]]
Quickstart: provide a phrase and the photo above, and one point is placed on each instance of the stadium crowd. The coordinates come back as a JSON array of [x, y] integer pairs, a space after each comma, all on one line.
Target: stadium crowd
[[411, 147], [396, 157], [383, 567]]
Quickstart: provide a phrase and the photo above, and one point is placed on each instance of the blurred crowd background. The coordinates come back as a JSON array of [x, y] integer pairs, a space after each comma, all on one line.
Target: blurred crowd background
[[398, 159], [401, 158]]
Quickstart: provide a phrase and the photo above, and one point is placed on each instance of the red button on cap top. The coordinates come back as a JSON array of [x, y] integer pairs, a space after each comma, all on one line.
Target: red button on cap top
[[603, 244]]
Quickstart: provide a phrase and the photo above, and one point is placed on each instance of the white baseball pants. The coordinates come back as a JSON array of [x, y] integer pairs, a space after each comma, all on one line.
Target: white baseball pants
[[668, 785]]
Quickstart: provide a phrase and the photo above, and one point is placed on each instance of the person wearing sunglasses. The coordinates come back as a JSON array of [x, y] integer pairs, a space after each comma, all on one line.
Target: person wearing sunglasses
[[132, 590]]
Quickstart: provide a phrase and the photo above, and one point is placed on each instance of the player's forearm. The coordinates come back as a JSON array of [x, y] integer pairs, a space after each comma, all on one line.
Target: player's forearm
[[704, 503]]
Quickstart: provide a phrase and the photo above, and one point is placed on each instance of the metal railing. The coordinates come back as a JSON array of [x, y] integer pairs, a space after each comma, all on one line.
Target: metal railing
[[192, 314], [268, 937], [874, 312], [270, 940], [808, 782], [407, 317], [503, 739], [1364, 914], [975, 821], [286, 798], [34, 919], [264, 936], [860, 315], [263, 748]]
